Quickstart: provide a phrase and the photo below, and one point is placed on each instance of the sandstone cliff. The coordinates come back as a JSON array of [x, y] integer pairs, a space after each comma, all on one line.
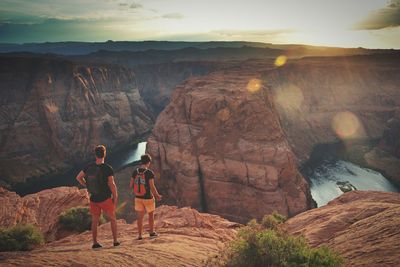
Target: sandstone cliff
[[41, 209], [187, 238], [323, 100], [156, 82], [53, 112], [363, 226], [219, 147], [386, 155]]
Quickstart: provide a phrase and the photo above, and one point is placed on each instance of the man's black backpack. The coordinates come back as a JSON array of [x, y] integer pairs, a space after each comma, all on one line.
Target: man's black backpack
[[94, 179]]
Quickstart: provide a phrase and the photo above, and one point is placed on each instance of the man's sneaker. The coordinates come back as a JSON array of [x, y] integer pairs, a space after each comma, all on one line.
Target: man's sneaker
[[153, 235], [97, 245], [140, 238], [116, 244]]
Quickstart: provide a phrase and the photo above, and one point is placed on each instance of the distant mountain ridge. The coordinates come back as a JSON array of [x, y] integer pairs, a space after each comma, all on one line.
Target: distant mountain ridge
[[83, 48]]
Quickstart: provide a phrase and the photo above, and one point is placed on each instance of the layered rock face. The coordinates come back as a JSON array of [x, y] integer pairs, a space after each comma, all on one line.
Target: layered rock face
[[53, 112], [41, 209], [363, 226], [156, 82], [219, 147], [323, 100], [187, 238], [386, 155]]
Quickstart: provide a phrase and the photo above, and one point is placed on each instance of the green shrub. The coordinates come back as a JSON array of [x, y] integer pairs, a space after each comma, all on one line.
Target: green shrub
[[273, 220], [265, 245], [77, 219], [20, 237]]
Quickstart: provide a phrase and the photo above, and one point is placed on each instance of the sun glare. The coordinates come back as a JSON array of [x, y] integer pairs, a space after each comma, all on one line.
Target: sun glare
[[224, 114], [254, 85], [347, 125], [280, 61], [290, 97]]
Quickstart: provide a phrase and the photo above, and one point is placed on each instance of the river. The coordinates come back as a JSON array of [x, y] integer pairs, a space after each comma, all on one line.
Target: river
[[328, 178], [331, 178]]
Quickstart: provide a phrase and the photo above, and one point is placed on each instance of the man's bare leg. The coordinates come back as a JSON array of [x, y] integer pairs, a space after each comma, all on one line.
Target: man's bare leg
[[95, 222], [113, 222], [140, 215], [151, 222]]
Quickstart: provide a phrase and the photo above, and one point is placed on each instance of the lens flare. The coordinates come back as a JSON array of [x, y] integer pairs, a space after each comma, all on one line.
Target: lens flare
[[254, 85], [346, 124], [224, 114], [280, 61], [289, 97]]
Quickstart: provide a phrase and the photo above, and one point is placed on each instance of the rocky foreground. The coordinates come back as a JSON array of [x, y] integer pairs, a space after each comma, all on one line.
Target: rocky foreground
[[187, 238], [41, 209], [363, 226]]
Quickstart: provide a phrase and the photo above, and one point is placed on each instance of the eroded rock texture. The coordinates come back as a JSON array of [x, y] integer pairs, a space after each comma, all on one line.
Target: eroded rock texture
[[363, 226], [386, 155], [41, 209], [219, 147], [53, 112]]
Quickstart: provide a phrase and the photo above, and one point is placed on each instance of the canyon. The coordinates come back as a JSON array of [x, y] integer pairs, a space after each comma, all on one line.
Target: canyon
[[230, 142], [228, 138], [53, 113], [54, 110], [226, 131]]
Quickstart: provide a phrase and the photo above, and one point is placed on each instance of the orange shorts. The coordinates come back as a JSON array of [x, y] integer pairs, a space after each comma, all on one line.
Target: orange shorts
[[145, 204], [107, 206]]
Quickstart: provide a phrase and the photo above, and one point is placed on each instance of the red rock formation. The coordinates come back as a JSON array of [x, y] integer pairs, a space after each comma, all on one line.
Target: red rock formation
[[53, 112], [219, 148], [363, 226], [41, 209], [386, 155], [187, 238]]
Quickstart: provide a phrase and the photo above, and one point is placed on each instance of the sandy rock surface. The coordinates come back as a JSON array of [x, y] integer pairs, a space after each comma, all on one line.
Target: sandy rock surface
[[187, 238], [363, 226]]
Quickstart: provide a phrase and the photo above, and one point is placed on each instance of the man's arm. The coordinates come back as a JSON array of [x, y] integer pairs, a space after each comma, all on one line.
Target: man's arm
[[113, 188], [81, 178], [154, 190]]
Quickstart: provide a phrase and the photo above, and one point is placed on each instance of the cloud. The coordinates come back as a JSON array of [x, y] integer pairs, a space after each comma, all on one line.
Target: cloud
[[135, 5], [386, 17], [264, 33], [173, 16]]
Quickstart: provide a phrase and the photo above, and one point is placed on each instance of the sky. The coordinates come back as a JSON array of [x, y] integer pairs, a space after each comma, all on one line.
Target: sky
[[343, 23]]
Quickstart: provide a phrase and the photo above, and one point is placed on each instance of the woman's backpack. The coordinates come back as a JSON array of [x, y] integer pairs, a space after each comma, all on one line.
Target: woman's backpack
[[139, 183]]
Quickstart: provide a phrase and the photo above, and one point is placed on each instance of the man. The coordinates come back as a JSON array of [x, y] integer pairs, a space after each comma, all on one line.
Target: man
[[98, 177], [142, 183]]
